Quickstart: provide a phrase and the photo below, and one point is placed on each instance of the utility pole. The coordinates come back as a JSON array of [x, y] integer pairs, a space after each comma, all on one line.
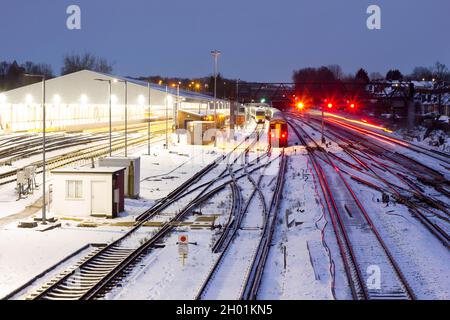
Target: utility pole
[[110, 116], [110, 111], [167, 118], [149, 118], [126, 118], [215, 55], [44, 208], [44, 205]]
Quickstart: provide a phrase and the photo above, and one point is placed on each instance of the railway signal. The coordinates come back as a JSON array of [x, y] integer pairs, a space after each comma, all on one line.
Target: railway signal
[[300, 105], [183, 247], [183, 239]]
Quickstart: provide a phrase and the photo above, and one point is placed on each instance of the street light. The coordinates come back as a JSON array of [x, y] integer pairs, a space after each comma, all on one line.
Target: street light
[[126, 115], [44, 209], [167, 119], [149, 117], [110, 81], [215, 54]]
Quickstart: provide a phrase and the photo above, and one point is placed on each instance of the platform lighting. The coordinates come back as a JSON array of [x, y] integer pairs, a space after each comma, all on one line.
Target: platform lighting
[[83, 99], [141, 99], [3, 98], [29, 99], [56, 99]]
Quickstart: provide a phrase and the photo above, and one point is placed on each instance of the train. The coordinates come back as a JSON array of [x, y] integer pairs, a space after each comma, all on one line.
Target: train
[[258, 114], [278, 130]]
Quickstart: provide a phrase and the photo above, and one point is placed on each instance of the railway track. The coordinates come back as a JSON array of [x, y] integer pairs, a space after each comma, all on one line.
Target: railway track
[[254, 277], [81, 155], [93, 278], [360, 244], [422, 206], [225, 242]]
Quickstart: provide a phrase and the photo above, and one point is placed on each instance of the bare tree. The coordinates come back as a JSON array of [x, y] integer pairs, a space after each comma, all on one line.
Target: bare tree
[[376, 76], [420, 73], [440, 71], [40, 68], [336, 70], [75, 62]]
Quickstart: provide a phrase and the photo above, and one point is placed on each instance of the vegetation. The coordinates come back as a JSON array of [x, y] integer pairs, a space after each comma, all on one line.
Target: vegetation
[[75, 62]]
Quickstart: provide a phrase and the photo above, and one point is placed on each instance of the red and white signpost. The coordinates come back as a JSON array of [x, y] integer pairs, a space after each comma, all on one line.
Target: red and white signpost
[[183, 247]]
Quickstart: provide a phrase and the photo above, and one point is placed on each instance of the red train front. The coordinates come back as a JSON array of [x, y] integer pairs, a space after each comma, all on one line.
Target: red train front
[[278, 133]]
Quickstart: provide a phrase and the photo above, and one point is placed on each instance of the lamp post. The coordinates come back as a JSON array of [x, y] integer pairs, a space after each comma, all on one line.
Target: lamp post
[[215, 54], [149, 117], [167, 119], [44, 209], [175, 119], [110, 110], [126, 115]]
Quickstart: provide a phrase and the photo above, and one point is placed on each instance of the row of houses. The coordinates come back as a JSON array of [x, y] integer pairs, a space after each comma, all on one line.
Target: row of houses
[[430, 98]]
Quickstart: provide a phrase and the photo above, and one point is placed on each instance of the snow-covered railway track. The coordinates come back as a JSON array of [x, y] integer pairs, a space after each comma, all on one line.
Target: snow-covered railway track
[[105, 269], [84, 154], [222, 269], [255, 274], [433, 214], [360, 244]]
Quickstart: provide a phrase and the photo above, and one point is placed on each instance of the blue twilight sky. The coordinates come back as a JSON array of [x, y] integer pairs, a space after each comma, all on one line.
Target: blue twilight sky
[[260, 40]]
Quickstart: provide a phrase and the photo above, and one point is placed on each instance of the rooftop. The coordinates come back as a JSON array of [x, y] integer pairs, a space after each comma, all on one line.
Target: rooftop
[[89, 170]]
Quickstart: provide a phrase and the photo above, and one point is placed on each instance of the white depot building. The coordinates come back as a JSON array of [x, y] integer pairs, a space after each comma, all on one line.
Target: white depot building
[[80, 100]]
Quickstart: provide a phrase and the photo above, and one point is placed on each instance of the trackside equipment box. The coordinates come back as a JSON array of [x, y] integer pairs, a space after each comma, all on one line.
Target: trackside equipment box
[[132, 172]]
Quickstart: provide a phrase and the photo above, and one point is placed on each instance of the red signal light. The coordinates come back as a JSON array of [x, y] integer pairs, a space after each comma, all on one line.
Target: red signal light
[[352, 105], [330, 105], [300, 105], [283, 135]]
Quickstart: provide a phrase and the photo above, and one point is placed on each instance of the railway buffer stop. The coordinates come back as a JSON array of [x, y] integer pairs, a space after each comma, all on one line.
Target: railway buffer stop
[[97, 192]]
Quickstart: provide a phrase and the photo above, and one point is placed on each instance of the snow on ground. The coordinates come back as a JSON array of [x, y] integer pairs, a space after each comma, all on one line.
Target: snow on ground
[[422, 258], [313, 270], [307, 271], [25, 253], [35, 251], [437, 139]]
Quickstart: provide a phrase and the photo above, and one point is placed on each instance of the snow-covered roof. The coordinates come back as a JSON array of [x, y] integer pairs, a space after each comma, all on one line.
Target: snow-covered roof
[[171, 90]]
